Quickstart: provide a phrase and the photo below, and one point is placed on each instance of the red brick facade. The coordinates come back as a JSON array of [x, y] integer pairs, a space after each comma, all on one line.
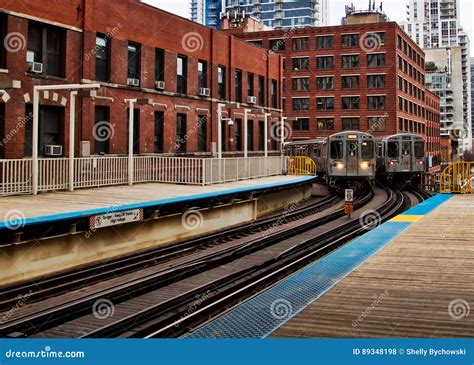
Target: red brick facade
[[125, 21], [402, 84]]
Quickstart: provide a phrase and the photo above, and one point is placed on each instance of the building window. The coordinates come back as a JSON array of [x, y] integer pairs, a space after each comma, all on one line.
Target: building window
[[101, 120], [50, 128], [159, 132], [2, 130], [182, 75], [277, 45], [274, 94], [202, 133], [325, 62], [181, 133], [377, 124], [301, 84], [376, 60], [300, 44], [202, 74], [300, 104], [325, 124], [301, 124], [250, 85], [257, 43], [102, 58], [250, 135], [350, 102], [350, 61], [159, 64], [376, 102], [136, 130], [377, 38], [134, 61], [350, 82], [350, 40], [261, 135], [238, 86], [325, 42], [350, 124], [300, 64], [238, 134], [221, 83], [325, 83], [325, 104], [261, 90], [376, 81], [46, 46]]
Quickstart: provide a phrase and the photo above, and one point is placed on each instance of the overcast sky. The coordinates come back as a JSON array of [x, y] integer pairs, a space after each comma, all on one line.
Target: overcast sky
[[395, 9]]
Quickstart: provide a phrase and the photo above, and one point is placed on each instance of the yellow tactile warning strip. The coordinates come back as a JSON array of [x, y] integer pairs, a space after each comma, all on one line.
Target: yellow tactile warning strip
[[407, 218]]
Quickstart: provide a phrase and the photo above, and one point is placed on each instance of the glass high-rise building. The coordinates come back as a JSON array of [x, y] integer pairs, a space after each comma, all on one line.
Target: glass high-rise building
[[207, 12]]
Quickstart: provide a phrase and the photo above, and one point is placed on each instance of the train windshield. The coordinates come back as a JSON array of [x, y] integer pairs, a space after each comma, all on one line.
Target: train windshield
[[337, 150], [406, 148], [419, 150], [367, 150], [393, 149]]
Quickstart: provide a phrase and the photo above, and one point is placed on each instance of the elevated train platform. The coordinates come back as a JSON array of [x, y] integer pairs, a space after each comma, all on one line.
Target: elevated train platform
[[51, 232], [410, 277]]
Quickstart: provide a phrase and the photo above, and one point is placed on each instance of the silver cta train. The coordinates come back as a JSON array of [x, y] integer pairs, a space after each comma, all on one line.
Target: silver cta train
[[345, 159], [401, 157]]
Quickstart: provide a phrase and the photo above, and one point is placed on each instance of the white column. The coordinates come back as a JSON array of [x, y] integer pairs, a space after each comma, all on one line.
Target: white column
[[265, 133], [72, 134], [130, 142], [283, 119], [34, 152], [246, 131], [219, 130]]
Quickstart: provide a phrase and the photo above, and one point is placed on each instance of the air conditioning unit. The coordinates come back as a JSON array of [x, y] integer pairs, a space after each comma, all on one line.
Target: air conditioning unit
[[36, 67], [204, 91], [252, 100], [53, 150], [133, 82], [160, 85]]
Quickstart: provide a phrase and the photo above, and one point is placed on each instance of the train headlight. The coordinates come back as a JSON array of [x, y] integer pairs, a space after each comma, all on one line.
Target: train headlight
[[421, 162], [364, 165], [339, 165]]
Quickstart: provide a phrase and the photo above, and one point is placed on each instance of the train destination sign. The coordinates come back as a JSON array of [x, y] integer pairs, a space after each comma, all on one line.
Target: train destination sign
[[115, 218]]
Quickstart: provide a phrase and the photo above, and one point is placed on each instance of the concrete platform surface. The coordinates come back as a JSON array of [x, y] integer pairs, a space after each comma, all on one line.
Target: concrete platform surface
[[50, 207]]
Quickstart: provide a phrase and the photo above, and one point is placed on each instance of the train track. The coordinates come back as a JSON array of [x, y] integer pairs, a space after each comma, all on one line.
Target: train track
[[67, 281], [167, 317]]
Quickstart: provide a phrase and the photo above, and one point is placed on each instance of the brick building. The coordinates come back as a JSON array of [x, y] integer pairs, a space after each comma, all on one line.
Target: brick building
[[134, 51], [363, 75]]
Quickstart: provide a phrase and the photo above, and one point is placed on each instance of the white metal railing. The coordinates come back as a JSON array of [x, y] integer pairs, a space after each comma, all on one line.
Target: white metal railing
[[16, 175]]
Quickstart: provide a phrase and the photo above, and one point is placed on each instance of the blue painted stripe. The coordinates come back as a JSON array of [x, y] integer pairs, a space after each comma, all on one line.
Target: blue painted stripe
[[262, 315], [428, 205], [148, 204]]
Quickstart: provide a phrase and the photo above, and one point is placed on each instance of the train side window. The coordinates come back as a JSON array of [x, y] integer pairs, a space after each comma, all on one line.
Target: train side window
[[393, 150], [367, 150], [337, 150], [419, 150]]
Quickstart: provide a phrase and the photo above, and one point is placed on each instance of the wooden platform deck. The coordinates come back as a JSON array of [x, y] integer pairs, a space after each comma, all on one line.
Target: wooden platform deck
[[59, 203], [419, 285]]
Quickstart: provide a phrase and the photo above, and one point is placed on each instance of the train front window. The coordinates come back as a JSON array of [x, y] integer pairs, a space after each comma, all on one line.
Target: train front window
[[367, 150], [406, 148], [419, 150], [337, 152], [393, 149]]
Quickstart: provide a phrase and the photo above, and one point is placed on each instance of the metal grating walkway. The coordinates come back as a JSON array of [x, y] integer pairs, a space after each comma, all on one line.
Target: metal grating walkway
[[262, 315]]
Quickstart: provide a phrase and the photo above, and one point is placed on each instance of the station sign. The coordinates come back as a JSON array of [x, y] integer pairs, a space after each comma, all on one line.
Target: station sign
[[115, 218], [349, 195]]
